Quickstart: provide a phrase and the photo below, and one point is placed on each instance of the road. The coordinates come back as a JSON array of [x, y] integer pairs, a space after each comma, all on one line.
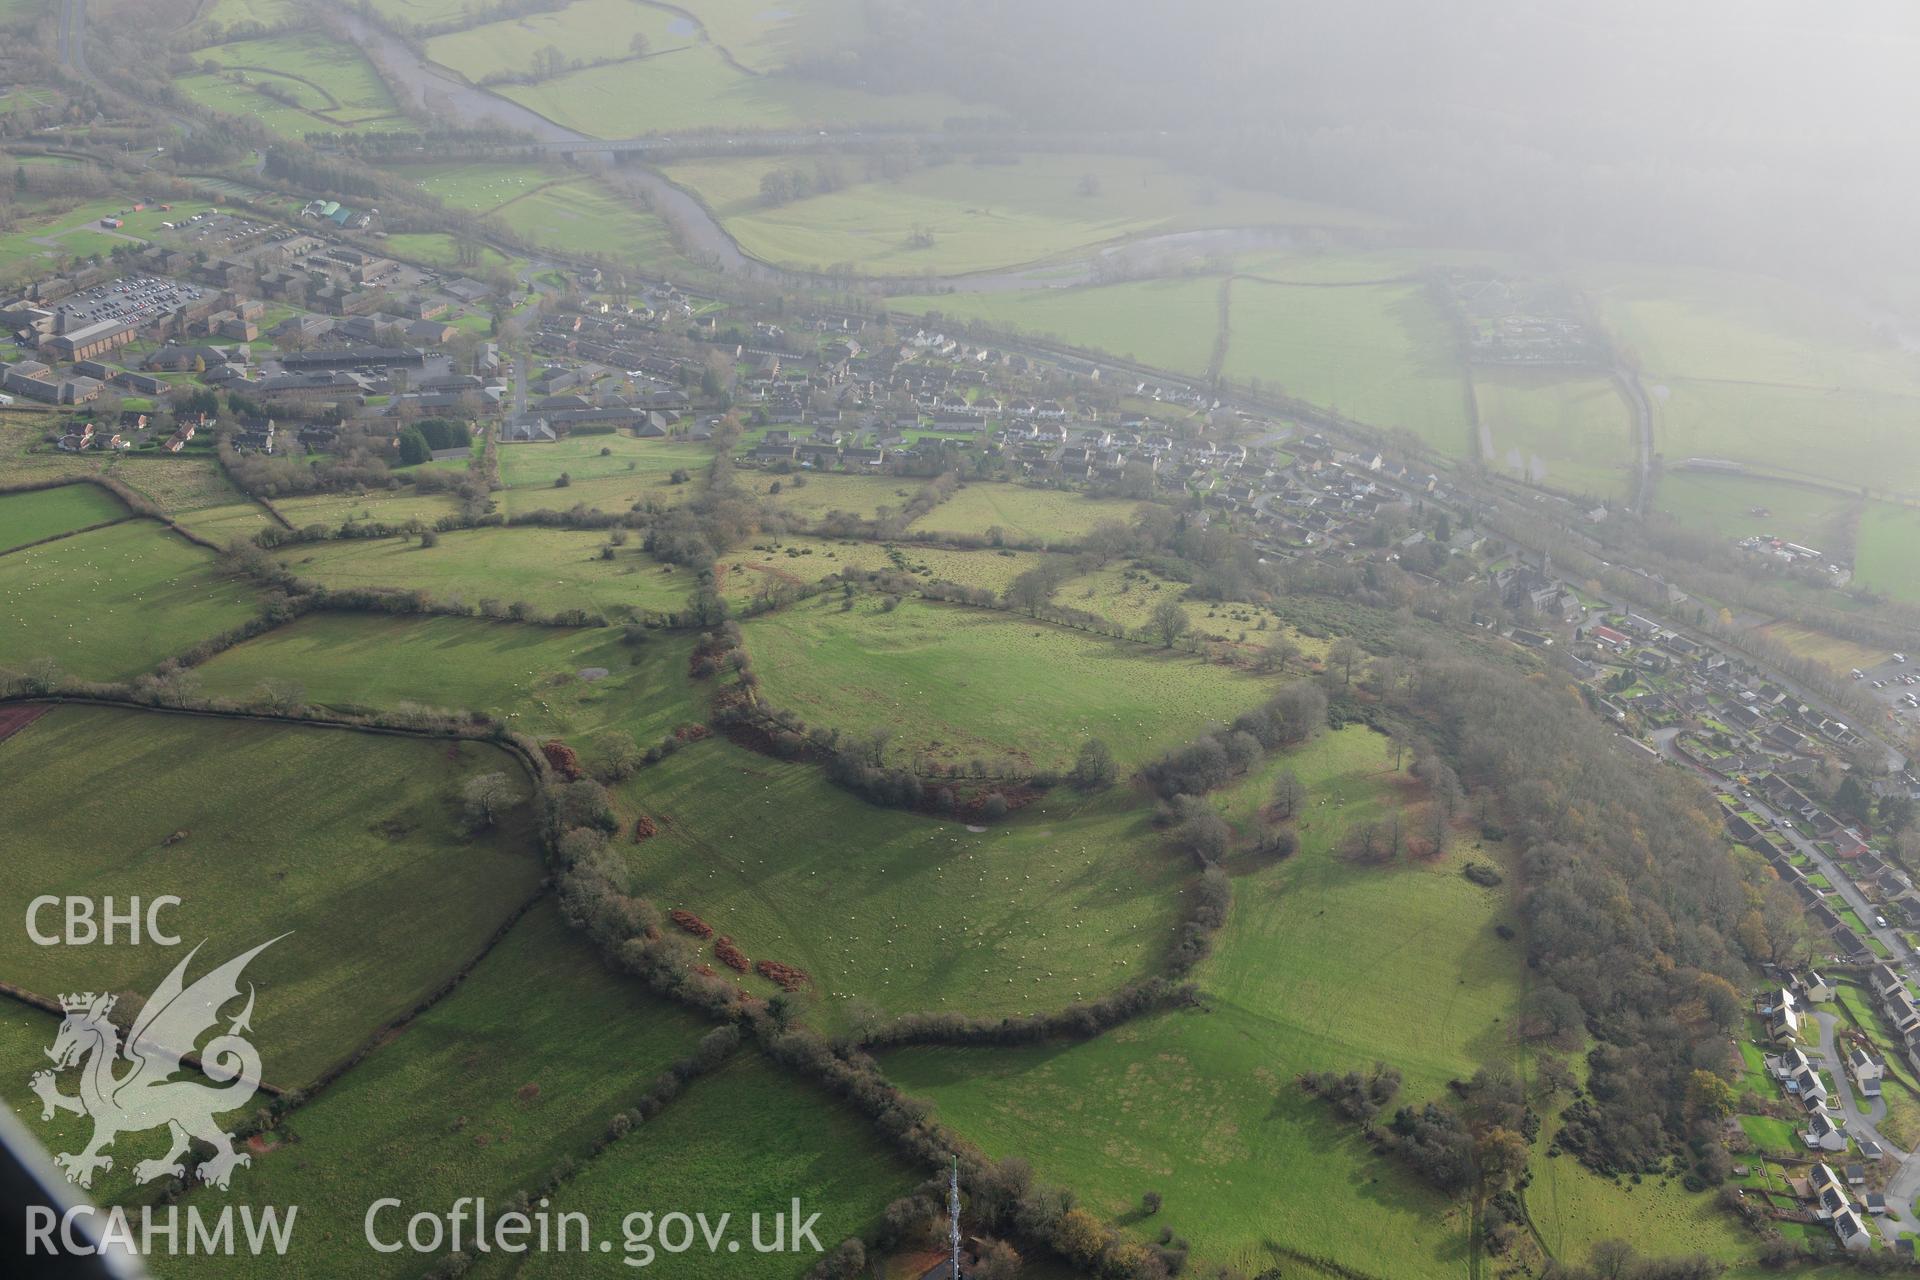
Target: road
[[1636, 395], [1863, 1123], [72, 48]]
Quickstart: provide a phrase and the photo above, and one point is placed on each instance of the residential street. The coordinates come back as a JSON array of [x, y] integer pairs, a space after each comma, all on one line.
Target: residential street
[[1905, 1183], [1904, 1186]]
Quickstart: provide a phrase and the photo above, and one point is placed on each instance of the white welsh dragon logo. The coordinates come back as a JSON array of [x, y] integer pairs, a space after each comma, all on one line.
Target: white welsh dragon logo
[[146, 1097]]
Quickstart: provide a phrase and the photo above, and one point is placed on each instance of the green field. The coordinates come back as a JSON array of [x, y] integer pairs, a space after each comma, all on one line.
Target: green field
[[748, 1138], [1575, 1208], [223, 524], [113, 603], [648, 465], [745, 572], [550, 569], [47, 513], [896, 912], [436, 249], [1888, 554], [174, 484], [581, 216], [1379, 354], [380, 506], [1169, 324], [769, 40], [444, 1109], [816, 494], [1322, 965], [1573, 434], [530, 677], [329, 77], [954, 683], [480, 188], [45, 234], [583, 31], [350, 843], [692, 87], [424, 12], [1052, 517], [979, 215], [322, 85], [1754, 369], [1734, 507], [1128, 595]]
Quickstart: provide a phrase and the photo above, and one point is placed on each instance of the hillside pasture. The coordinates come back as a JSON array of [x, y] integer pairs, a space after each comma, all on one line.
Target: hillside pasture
[[482, 1095], [550, 569], [115, 602], [745, 572], [175, 485], [1378, 354], [48, 513], [222, 524], [1129, 594], [350, 844], [1552, 428], [894, 912], [1323, 964], [1050, 517], [744, 1139], [376, 506], [543, 681], [952, 684]]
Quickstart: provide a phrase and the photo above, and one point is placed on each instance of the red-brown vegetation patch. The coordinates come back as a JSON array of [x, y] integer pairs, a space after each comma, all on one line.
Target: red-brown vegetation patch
[[692, 731], [731, 956], [563, 758], [644, 829], [15, 718], [785, 976], [692, 923]]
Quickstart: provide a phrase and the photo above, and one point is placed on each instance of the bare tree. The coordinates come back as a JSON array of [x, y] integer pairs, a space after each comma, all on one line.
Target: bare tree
[[487, 796]]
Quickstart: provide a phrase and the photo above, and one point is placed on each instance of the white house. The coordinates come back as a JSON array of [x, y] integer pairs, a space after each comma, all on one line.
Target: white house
[[1785, 1066], [1822, 1134], [1811, 1090], [1866, 1071], [1851, 1231]]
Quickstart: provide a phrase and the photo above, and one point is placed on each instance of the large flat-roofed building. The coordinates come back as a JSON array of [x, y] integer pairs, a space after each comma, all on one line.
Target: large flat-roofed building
[[89, 340]]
